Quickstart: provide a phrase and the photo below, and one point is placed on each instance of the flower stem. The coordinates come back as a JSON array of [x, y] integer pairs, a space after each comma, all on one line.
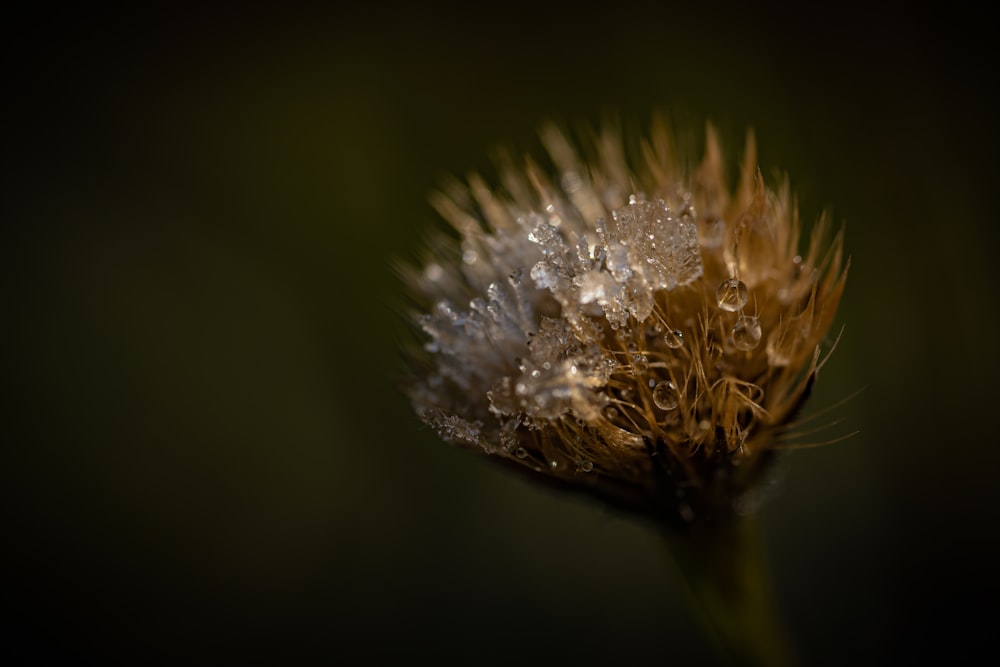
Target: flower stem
[[723, 572]]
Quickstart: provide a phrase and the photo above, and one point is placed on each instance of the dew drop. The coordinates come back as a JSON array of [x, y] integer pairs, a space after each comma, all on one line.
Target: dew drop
[[640, 364], [732, 294], [665, 395], [610, 412], [674, 339], [521, 453], [470, 256], [746, 332], [554, 464], [584, 466]]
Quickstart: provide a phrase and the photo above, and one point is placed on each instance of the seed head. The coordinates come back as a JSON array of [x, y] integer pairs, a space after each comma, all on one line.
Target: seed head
[[621, 326]]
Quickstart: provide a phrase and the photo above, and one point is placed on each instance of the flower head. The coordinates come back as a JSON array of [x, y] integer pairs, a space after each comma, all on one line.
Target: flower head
[[624, 327]]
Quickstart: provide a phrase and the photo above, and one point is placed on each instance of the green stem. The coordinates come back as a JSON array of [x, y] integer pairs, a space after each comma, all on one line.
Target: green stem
[[723, 572]]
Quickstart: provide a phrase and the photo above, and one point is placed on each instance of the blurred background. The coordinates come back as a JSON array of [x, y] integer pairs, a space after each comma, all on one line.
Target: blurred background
[[207, 457]]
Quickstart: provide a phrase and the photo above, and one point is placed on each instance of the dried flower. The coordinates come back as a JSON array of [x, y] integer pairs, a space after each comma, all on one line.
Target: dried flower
[[623, 327]]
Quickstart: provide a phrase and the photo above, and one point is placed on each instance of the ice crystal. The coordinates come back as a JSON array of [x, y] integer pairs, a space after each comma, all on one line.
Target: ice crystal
[[577, 328]]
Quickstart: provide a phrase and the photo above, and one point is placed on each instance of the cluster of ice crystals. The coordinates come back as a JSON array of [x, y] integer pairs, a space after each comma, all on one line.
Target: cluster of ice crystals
[[648, 248], [532, 344], [473, 344], [661, 247], [452, 428], [561, 375]]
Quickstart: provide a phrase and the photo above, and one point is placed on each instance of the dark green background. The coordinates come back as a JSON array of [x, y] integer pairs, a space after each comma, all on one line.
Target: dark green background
[[207, 456]]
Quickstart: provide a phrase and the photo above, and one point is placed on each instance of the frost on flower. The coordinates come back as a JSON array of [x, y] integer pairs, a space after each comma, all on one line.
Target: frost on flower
[[622, 327]]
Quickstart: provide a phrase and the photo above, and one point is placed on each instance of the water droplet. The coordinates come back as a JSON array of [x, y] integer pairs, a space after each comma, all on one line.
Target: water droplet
[[554, 464], [610, 412], [665, 395], [640, 364], [746, 332], [521, 453], [674, 339], [584, 466], [470, 256], [732, 295]]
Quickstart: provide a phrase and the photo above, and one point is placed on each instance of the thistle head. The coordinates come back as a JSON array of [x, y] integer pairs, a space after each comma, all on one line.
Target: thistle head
[[624, 327]]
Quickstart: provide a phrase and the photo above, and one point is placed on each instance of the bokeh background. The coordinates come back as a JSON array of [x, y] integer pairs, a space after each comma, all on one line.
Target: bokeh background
[[206, 456]]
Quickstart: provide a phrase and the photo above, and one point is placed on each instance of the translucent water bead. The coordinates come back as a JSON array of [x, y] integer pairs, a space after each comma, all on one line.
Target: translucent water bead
[[665, 395], [746, 332], [731, 295], [640, 364], [674, 339]]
